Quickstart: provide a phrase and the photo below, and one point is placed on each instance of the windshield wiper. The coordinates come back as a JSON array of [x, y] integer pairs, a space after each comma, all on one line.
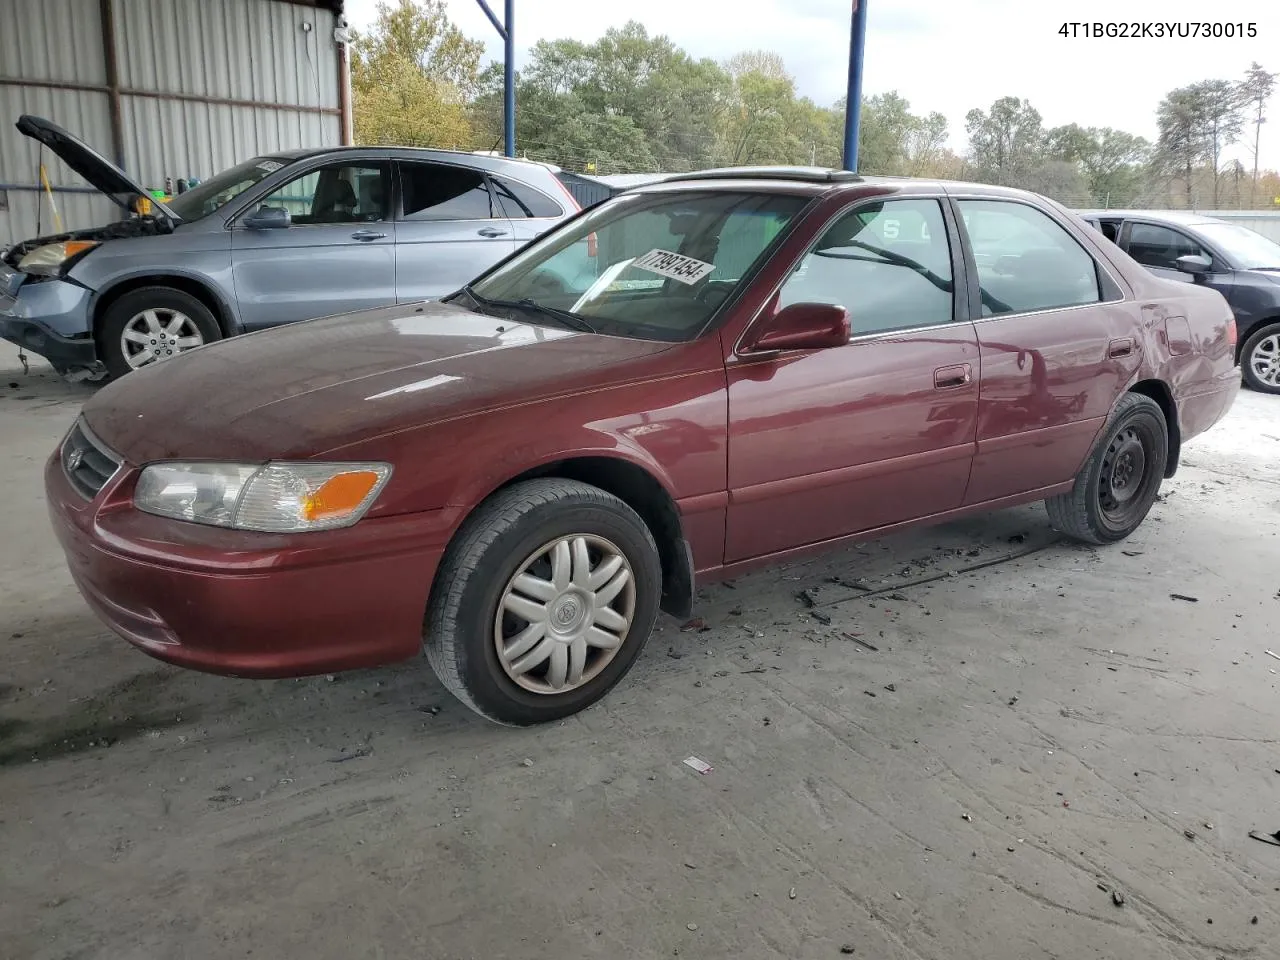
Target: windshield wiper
[[527, 305]]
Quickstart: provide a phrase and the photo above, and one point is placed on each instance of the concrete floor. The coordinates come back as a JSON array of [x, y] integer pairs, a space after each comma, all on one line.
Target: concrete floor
[[1028, 737]]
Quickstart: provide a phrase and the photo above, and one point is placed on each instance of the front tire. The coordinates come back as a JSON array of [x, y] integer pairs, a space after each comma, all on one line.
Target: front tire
[[150, 325], [543, 601], [1118, 484], [1260, 359]]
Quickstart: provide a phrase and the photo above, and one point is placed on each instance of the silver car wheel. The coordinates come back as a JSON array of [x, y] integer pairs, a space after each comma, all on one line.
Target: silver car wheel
[[158, 334], [565, 614], [1264, 360]]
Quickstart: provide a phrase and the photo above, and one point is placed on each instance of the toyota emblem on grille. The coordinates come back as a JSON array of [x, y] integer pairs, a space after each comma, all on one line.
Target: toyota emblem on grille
[[74, 459]]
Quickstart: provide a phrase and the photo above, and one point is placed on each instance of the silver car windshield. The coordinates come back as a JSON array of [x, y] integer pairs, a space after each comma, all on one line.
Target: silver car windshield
[[210, 195], [1249, 250], [654, 266]]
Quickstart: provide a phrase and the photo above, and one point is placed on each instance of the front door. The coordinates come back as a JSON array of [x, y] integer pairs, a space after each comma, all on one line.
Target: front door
[[449, 231], [1158, 247], [832, 442], [1057, 342], [338, 254]]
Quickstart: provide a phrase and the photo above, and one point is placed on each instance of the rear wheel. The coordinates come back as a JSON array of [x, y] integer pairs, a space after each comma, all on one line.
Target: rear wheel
[[1261, 359], [150, 325], [1118, 484], [543, 601]]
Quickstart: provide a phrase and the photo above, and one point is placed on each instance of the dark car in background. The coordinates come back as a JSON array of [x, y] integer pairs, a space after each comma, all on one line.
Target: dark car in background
[[279, 238], [1239, 263]]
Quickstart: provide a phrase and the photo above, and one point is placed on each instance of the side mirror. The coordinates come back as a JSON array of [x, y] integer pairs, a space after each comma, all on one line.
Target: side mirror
[[268, 218], [1194, 264], [802, 326]]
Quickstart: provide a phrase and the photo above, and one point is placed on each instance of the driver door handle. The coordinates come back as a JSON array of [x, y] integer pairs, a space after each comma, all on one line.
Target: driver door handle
[[956, 376], [492, 232], [367, 235]]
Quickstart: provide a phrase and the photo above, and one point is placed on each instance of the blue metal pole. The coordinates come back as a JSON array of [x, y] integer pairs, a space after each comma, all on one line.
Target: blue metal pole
[[853, 105], [509, 80]]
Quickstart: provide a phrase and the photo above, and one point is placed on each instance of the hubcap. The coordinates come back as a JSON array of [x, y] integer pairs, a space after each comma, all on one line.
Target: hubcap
[[564, 614], [158, 334], [1264, 360]]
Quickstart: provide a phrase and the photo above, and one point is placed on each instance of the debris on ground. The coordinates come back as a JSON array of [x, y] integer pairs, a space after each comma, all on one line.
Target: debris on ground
[[1133, 553], [1183, 596], [755, 670], [1117, 898], [820, 616], [1012, 701], [807, 598], [430, 708], [1272, 653], [899, 597], [353, 755], [1271, 838], [1189, 834], [674, 654], [860, 642], [868, 693], [1018, 538], [699, 765], [526, 762], [891, 688], [691, 926], [697, 623], [791, 894], [967, 818], [847, 948]]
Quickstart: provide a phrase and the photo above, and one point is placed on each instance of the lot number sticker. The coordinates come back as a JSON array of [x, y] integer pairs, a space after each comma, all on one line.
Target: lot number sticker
[[667, 264]]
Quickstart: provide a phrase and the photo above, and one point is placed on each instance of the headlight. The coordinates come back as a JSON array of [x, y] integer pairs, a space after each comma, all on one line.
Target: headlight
[[272, 498], [47, 260]]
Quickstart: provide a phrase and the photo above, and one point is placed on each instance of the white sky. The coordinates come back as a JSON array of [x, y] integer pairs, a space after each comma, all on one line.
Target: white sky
[[941, 55]]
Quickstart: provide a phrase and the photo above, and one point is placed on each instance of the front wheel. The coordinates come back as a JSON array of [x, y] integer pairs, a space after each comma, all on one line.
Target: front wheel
[[1118, 484], [151, 325], [1260, 359], [543, 601]]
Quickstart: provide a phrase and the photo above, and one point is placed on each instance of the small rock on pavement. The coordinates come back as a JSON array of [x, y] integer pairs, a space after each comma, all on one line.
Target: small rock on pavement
[[1117, 898], [1189, 834], [891, 688], [847, 948], [526, 762], [692, 926], [791, 894]]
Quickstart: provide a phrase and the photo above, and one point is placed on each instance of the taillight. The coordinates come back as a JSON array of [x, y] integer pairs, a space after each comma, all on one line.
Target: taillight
[[1233, 335]]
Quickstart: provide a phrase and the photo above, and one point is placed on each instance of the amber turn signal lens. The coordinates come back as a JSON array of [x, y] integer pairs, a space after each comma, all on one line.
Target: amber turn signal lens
[[72, 247], [339, 496]]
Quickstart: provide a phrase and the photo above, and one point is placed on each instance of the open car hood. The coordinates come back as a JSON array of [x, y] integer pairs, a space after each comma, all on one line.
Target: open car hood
[[93, 166]]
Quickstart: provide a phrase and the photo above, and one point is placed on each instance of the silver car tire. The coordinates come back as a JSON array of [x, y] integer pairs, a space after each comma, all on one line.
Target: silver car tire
[[1260, 359], [150, 325], [543, 601]]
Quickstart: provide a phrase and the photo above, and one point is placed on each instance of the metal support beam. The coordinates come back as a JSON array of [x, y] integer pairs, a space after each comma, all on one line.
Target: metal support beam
[[853, 104], [106, 10], [507, 32]]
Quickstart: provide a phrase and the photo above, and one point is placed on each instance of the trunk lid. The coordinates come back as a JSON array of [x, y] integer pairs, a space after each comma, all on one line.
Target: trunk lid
[[96, 169]]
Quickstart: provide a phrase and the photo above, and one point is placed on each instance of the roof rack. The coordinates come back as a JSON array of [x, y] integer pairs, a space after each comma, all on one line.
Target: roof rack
[[800, 174]]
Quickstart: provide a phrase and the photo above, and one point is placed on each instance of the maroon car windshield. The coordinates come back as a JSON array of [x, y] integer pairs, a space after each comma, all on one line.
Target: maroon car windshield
[[652, 266]]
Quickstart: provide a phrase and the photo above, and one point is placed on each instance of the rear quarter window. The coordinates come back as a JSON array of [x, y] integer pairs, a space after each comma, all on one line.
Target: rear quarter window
[[520, 201]]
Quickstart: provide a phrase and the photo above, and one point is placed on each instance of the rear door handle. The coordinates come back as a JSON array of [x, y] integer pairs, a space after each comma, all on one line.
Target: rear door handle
[[945, 378], [492, 232], [366, 235], [1119, 348]]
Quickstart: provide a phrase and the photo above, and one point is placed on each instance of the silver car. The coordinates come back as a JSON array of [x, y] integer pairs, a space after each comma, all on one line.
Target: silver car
[[283, 237]]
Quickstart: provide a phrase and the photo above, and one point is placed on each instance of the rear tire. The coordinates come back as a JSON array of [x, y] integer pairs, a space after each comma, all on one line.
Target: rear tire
[[1260, 359], [1118, 484], [152, 324], [543, 601]]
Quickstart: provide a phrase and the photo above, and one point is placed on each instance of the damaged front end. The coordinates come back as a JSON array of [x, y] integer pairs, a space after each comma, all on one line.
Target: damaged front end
[[56, 253]]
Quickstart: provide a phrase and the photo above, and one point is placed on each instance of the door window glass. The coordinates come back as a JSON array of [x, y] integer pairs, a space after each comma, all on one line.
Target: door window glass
[[1025, 260], [438, 192], [340, 193], [888, 264], [1156, 246], [520, 202]]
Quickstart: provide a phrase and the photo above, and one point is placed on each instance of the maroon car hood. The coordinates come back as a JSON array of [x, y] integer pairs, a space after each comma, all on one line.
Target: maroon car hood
[[304, 389]]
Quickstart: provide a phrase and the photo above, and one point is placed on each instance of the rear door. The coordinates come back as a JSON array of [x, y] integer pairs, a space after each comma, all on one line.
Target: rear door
[[338, 255], [531, 212], [449, 230], [1057, 345]]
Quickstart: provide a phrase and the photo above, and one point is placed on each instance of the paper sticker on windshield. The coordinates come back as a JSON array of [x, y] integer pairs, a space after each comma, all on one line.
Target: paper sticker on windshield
[[664, 263], [270, 166]]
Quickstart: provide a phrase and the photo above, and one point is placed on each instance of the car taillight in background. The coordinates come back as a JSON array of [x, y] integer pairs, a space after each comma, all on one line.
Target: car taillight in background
[[1233, 334]]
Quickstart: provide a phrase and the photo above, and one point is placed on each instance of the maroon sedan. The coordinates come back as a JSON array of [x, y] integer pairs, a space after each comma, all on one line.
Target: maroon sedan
[[688, 381]]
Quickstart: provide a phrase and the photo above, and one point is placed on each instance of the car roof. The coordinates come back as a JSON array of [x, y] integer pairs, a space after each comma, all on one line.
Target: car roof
[[816, 181], [487, 161], [1184, 218]]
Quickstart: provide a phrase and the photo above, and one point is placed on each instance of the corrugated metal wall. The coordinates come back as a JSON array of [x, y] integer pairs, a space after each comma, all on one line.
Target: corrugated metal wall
[[202, 84]]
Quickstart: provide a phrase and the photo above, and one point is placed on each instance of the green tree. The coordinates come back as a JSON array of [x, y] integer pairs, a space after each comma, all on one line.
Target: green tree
[[1006, 141], [1255, 90], [411, 76]]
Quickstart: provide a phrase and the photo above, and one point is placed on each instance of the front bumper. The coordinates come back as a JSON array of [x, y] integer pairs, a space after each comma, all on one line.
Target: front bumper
[[248, 604], [50, 318]]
